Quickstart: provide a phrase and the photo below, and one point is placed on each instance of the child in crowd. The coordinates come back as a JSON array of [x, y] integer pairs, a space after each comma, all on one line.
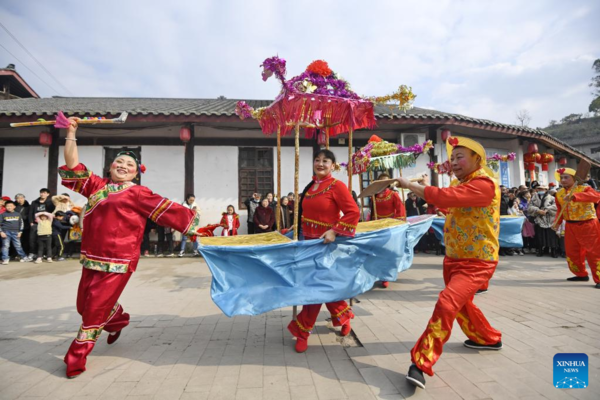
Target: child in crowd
[[60, 226], [44, 235], [230, 222], [11, 228]]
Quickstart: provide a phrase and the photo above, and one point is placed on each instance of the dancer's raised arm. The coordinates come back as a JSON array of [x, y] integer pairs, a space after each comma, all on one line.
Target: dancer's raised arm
[[71, 155]]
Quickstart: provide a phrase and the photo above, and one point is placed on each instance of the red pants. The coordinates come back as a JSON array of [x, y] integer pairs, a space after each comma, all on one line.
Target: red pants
[[462, 278], [341, 313], [97, 304], [582, 241]]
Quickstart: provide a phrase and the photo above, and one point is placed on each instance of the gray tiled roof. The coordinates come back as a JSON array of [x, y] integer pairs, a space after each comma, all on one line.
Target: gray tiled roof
[[226, 107], [197, 107]]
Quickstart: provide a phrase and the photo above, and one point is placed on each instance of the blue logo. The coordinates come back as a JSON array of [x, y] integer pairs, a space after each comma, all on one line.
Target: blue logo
[[570, 371]]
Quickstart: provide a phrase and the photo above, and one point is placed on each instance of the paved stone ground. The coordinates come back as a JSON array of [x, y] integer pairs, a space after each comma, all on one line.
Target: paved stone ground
[[179, 345]]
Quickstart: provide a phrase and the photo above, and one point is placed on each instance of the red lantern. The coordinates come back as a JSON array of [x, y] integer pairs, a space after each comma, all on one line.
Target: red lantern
[[184, 134], [529, 166], [544, 167], [446, 134], [322, 138], [546, 158], [532, 148], [532, 157], [562, 161], [45, 141]]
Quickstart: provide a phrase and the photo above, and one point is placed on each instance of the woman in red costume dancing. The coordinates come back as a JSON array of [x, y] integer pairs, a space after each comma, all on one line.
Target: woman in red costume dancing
[[388, 205], [320, 206], [110, 248]]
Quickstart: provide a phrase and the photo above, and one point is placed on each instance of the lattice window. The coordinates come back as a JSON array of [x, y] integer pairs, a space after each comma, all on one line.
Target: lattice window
[[255, 172]]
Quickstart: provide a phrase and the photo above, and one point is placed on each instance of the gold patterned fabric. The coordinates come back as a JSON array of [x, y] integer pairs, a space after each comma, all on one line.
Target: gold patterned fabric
[[246, 240], [575, 210], [472, 232]]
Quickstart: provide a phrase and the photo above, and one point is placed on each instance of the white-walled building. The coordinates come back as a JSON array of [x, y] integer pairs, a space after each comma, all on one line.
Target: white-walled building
[[227, 159]]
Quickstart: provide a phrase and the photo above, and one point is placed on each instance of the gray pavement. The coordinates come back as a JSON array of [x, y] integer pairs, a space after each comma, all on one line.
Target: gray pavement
[[180, 346]]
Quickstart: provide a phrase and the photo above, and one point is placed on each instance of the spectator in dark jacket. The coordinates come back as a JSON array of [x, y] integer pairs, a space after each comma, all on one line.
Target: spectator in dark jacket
[[264, 217], [41, 204], [414, 205], [251, 205], [59, 229], [22, 207]]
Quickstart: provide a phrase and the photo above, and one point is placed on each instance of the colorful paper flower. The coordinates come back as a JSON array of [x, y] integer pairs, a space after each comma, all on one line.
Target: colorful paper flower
[[142, 168], [453, 141], [319, 67]]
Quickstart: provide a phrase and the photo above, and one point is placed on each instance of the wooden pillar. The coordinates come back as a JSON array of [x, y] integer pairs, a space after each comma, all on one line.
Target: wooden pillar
[[350, 152], [432, 135], [53, 161], [189, 163], [278, 215]]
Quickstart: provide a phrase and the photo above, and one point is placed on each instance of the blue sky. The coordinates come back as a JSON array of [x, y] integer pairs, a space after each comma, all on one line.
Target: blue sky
[[479, 58]]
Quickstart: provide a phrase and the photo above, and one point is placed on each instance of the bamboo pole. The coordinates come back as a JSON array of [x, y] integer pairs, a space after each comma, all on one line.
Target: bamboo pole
[[327, 138], [362, 199], [350, 166], [402, 190], [374, 216], [296, 178], [278, 216]]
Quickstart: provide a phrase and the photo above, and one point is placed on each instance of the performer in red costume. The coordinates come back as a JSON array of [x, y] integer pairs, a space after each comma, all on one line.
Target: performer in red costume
[[114, 224], [471, 237], [320, 206], [582, 229], [388, 205]]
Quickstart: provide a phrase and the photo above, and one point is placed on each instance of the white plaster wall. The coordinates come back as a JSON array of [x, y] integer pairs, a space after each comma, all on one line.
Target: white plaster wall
[[341, 155], [288, 166], [165, 173], [25, 171], [92, 157], [216, 183]]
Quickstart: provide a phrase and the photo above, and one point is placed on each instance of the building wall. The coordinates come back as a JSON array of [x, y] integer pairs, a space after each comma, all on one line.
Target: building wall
[[92, 157], [165, 173], [25, 171], [216, 183]]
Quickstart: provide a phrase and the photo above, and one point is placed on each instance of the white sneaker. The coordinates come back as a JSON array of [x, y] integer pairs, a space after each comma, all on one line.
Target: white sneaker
[[49, 259], [196, 254], [26, 259], [38, 260], [171, 255], [31, 255], [180, 254], [4, 262]]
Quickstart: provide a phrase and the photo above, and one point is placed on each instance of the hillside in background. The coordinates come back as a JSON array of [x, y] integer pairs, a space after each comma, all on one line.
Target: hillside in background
[[575, 127]]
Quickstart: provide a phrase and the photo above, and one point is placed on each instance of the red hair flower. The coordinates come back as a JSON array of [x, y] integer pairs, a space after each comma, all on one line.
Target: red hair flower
[[453, 141], [560, 171], [319, 67], [142, 168]]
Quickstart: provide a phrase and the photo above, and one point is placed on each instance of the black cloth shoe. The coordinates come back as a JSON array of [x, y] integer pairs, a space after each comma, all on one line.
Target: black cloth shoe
[[540, 252], [415, 376], [579, 279], [472, 345], [481, 291], [597, 285], [554, 253]]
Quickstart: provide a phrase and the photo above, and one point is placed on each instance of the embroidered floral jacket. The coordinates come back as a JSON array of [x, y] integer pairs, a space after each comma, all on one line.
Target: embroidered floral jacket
[[116, 216], [582, 206], [321, 210], [389, 205], [473, 221]]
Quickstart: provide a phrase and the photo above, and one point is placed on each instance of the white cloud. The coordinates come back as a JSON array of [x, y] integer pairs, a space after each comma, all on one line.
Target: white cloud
[[482, 59]]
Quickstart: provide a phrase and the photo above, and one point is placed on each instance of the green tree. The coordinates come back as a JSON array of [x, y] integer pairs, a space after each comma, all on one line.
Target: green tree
[[595, 104]]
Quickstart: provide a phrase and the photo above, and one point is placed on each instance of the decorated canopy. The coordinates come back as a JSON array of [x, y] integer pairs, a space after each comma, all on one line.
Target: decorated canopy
[[317, 98]]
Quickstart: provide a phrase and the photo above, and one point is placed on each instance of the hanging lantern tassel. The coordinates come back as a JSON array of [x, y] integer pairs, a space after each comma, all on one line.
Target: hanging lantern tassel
[[45, 141], [185, 135]]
